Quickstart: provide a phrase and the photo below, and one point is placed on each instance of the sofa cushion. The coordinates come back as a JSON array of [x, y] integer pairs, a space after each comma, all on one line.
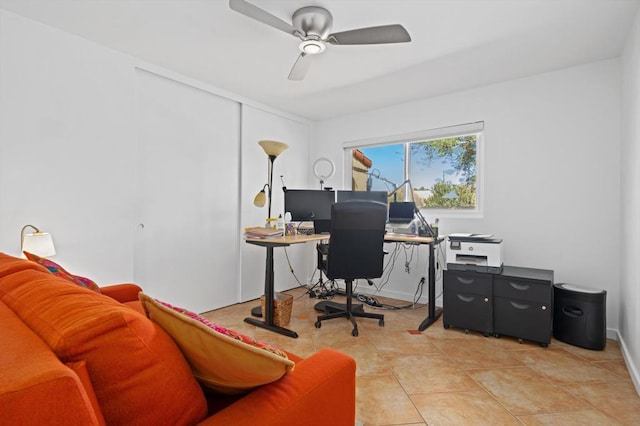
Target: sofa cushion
[[10, 264], [80, 368], [138, 373], [35, 387], [59, 271], [222, 360]]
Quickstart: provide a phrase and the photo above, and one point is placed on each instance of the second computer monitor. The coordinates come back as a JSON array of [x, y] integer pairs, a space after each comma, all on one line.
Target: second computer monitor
[[401, 212], [308, 204]]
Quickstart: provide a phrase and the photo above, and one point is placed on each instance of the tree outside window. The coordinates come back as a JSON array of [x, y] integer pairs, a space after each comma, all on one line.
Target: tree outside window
[[442, 172]]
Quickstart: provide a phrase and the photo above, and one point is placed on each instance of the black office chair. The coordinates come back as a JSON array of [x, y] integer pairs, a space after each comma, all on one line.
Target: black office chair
[[355, 250]]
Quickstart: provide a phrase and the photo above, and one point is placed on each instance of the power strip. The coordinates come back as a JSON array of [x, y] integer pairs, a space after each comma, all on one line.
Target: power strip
[[371, 301]]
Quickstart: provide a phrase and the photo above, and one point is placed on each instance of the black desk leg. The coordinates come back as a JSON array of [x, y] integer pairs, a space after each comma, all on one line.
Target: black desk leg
[[434, 312], [268, 301]]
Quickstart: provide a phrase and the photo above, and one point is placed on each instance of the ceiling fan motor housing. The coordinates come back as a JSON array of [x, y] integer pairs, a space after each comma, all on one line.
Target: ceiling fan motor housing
[[314, 22]]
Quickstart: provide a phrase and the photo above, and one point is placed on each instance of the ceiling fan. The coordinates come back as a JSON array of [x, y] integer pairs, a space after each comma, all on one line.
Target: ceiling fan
[[312, 25]]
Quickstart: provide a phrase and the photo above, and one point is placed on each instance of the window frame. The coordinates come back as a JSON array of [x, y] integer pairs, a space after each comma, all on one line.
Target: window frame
[[476, 128]]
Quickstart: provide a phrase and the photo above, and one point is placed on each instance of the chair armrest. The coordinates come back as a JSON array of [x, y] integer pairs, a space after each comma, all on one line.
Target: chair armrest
[[327, 376], [122, 292]]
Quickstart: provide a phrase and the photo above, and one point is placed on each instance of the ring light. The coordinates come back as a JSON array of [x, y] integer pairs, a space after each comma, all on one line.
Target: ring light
[[319, 165]]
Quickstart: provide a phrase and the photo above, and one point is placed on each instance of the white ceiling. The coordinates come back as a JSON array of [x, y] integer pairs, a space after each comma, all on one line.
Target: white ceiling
[[456, 44]]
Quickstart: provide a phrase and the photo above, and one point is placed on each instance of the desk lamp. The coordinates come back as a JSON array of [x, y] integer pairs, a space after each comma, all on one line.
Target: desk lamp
[[37, 242], [397, 188], [272, 149]]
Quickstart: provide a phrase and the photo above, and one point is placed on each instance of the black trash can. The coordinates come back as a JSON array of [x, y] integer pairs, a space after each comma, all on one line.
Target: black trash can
[[580, 316]]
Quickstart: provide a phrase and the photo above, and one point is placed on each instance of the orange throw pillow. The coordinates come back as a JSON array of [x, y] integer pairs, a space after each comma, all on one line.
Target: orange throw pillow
[[222, 360]]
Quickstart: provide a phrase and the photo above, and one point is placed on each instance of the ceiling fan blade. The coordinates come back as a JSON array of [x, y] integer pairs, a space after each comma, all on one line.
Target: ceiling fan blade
[[247, 9], [300, 68], [371, 35]]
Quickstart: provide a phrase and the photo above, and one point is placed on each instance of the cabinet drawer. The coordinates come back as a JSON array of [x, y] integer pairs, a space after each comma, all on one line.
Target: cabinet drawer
[[514, 288], [465, 282], [523, 319], [468, 311]]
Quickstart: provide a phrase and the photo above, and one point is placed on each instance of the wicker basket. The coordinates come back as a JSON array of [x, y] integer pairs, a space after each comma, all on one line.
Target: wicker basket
[[282, 306]]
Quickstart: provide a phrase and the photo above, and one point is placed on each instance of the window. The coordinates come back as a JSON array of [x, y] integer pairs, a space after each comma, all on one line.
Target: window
[[440, 166]]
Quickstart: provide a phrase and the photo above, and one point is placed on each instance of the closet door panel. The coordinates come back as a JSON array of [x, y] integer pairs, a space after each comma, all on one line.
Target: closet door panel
[[187, 229]]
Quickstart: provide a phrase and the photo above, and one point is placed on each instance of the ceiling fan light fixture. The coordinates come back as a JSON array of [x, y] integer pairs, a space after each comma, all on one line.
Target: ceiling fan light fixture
[[312, 25], [312, 47]]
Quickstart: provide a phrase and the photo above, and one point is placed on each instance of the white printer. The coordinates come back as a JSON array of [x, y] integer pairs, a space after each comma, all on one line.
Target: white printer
[[474, 252]]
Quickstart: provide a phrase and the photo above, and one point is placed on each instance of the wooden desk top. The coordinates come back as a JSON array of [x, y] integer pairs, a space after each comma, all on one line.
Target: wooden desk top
[[287, 240], [303, 238], [408, 238]]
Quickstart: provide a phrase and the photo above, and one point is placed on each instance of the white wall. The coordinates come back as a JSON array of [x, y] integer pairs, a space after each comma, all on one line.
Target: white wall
[[551, 161], [69, 165], [67, 147], [629, 319]]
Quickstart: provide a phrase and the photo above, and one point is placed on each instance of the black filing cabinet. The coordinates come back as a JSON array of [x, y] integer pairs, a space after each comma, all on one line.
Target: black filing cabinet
[[523, 304], [517, 302], [468, 301]]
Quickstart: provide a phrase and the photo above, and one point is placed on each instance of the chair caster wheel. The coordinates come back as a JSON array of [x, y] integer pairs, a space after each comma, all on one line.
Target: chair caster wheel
[[354, 332], [496, 335], [520, 341], [318, 324], [381, 323], [466, 331]]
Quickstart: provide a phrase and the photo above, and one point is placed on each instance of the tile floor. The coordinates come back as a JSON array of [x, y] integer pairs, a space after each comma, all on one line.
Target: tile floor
[[448, 377]]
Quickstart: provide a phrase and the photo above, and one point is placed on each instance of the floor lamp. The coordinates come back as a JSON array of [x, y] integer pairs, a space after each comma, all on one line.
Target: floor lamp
[[272, 149]]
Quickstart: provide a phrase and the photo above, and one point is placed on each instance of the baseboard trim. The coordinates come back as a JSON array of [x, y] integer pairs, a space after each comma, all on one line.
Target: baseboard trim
[[626, 355]]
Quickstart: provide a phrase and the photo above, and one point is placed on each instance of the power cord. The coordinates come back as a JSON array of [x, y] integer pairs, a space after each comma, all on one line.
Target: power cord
[[374, 303], [325, 293], [328, 293], [408, 260], [291, 268], [418, 294]]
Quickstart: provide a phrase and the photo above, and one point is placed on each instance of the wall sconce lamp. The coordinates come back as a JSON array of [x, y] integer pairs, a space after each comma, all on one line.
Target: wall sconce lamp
[[37, 242], [272, 149], [261, 197]]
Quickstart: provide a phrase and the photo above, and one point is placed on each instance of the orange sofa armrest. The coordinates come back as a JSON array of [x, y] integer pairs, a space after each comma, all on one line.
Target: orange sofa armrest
[[122, 292], [328, 376]]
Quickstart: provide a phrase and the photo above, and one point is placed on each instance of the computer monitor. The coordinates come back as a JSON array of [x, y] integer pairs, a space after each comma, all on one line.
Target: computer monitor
[[401, 212], [380, 196], [309, 204]]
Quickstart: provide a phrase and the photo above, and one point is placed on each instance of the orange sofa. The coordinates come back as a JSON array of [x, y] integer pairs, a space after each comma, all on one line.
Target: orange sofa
[[71, 356]]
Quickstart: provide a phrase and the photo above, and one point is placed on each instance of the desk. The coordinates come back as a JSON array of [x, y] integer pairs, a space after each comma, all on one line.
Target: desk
[[434, 313], [270, 243]]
